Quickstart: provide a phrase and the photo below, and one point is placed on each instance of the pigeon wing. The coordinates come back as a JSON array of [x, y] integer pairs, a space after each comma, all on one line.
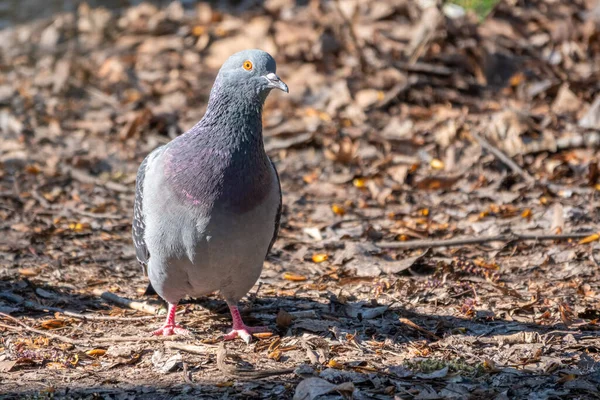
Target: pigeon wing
[[278, 215], [139, 224]]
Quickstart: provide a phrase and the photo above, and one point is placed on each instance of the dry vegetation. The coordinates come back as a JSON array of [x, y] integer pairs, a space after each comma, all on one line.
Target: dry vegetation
[[405, 128]]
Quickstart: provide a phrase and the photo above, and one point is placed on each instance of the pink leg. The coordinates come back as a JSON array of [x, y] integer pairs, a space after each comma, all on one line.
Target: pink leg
[[170, 327], [239, 328]]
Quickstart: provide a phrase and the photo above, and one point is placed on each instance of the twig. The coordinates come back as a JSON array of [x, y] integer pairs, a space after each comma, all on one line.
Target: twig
[[87, 342], [95, 215], [114, 339], [39, 332], [188, 348], [57, 207], [416, 327], [14, 298], [84, 177], [240, 373], [350, 24], [510, 237], [123, 302], [504, 158]]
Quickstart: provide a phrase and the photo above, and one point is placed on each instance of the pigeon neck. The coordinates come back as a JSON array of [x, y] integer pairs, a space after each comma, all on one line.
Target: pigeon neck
[[237, 113]]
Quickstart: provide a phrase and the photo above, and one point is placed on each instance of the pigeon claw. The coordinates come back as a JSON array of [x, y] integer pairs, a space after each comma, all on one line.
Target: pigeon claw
[[245, 333], [169, 330]]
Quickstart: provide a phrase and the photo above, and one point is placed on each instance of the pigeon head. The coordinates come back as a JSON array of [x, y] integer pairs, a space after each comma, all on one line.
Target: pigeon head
[[250, 73]]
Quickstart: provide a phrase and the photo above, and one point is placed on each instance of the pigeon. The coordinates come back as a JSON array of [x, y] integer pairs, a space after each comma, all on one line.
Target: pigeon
[[208, 203]]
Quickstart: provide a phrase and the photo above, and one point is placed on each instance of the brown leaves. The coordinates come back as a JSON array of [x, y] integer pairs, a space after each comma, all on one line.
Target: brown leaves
[[290, 276], [96, 352], [592, 238], [54, 324]]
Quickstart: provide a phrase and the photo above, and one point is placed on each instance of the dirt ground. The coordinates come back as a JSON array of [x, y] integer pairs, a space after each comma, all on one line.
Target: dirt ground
[[441, 201]]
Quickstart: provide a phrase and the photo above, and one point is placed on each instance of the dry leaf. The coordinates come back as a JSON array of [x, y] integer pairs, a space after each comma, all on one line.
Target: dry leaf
[[290, 276], [28, 272], [53, 323], [319, 257], [262, 335], [95, 352], [7, 365], [359, 182], [312, 388], [284, 319], [436, 164], [338, 210], [590, 239]]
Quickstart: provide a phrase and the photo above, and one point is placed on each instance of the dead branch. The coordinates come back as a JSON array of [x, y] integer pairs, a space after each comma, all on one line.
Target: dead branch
[[509, 237], [506, 160], [123, 302], [84, 342], [416, 327], [188, 348], [86, 178], [115, 339], [240, 373], [30, 305], [22, 326]]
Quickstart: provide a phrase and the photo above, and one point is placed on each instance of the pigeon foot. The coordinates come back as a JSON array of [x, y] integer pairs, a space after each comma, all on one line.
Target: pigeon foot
[[240, 329], [168, 330], [170, 327], [245, 332]]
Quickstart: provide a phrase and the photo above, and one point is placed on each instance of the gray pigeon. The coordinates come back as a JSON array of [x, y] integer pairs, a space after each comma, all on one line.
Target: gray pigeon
[[208, 203]]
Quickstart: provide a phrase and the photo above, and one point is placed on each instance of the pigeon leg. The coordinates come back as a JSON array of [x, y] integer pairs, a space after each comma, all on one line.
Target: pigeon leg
[[170, 327], [239, 328]]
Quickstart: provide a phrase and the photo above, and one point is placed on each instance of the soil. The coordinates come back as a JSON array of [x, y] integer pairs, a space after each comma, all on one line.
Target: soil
[[441, 196]]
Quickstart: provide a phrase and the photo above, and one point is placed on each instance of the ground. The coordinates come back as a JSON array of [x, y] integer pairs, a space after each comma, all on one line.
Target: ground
[[440, 189]]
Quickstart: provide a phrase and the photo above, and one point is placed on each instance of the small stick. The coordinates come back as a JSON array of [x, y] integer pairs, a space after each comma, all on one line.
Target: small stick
[[39, 332], [123, 302], [416, 327], [188, 348], [15, 298], [510, 237], [85, 342], [240, 373], [112, 339], [504, 158]]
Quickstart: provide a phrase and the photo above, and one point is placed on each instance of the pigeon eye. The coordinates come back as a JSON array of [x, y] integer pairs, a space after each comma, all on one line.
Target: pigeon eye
[[247, 65]]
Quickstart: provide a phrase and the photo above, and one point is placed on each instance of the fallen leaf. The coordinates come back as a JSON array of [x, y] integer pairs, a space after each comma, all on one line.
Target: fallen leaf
[[290, 276], [53, 323], [312, 388], [436, 164], [7, 365], [436, 183], [338, 210], [28, 272], [262, 335], [95, 352], [589, 239], [284, 319], [359, 182], [441, 373], [319, 257]]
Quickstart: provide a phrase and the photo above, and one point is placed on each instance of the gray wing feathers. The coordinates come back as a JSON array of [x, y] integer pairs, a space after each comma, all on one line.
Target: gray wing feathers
[[139, 224], [278, 215]]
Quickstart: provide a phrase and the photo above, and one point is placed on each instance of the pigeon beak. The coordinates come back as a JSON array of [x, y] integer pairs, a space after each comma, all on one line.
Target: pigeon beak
[[275, 82]]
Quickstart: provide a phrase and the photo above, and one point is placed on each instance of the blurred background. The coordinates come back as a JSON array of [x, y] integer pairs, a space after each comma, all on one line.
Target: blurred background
[[406, 120]]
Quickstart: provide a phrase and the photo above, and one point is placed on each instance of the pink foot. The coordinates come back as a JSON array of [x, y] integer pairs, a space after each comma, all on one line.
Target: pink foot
[[170, 327], [240, 329], [168, 330], [245, 332]]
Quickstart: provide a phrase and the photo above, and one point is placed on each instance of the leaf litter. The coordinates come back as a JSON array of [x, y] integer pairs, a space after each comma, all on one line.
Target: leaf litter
[[408, 126]]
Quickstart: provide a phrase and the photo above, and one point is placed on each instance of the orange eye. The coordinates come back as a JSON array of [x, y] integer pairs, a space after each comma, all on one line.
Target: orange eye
[[247, 65]]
